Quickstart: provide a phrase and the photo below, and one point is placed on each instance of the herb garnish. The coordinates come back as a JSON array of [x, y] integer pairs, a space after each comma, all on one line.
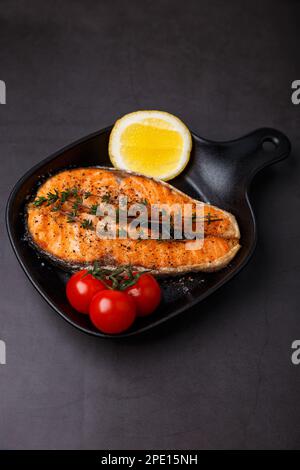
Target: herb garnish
[[106, 198], [65, 195], [52, 197], [72, 195], [86, 223], [39, 201], [71, 217], [76, 197], [93, 209], [119, 278], [208, 218]]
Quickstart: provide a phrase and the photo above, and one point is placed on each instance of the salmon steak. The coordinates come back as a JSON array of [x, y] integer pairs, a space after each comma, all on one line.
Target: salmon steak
[[62, 224]]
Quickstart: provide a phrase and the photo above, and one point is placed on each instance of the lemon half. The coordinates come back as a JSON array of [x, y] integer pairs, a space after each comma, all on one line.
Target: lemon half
[[153, 143]]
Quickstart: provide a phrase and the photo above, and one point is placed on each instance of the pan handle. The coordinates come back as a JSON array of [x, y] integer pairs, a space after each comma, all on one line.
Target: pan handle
[[226, 169]]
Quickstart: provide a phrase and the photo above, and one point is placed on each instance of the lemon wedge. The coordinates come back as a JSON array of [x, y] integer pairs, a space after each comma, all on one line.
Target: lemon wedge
[[153, 143]]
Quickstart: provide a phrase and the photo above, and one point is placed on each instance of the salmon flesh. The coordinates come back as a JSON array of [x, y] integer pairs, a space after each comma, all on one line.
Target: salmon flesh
[[61, 223]]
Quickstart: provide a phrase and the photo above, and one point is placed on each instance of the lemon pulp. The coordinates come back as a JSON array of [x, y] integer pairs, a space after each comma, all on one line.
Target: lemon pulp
[[148, 145]]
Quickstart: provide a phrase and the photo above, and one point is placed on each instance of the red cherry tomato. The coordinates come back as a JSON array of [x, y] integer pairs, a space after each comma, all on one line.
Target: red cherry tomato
[[112, 311], [146, 294], [81, 287]]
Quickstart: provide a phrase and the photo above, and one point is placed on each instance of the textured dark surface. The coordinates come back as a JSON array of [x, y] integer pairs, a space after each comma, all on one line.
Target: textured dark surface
[[221, 376]]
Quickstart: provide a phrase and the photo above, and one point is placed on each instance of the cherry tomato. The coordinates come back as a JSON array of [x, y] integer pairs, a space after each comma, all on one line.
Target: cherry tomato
[[81, 287], [146, 294], [112, 311]]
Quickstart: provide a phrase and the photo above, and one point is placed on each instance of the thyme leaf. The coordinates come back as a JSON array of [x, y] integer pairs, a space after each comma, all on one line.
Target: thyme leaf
[[52, 197], [93, 209], [106, 198], [39, 201], [87, 224], [118, 278]]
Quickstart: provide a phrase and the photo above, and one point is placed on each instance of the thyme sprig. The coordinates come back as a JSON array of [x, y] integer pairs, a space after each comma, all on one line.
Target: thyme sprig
[[118, 278], [209, 218], [76, 197], [72, 195], [106, 198], [52, 197], [39, 201], [93, 209], [86, 223]]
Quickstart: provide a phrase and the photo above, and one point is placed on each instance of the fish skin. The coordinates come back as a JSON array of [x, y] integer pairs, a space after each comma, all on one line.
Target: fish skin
[[73, 246]]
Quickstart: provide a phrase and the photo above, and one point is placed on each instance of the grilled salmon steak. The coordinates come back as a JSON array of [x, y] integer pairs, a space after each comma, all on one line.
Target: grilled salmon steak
[[62, 221]]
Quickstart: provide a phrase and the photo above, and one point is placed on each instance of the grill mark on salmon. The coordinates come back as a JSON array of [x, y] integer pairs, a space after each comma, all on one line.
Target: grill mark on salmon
[[74, 246]]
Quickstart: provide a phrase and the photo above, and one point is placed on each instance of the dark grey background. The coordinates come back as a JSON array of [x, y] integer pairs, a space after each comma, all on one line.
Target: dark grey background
[[220, 376]]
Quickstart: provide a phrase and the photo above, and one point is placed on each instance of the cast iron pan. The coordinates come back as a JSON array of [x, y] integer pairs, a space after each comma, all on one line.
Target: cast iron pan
[[219, 173]]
